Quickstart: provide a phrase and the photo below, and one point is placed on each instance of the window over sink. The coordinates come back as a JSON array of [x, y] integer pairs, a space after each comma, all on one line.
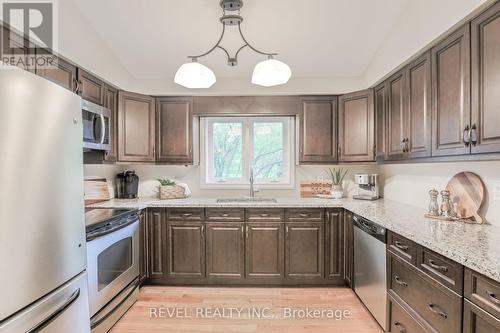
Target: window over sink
[[233, 147]]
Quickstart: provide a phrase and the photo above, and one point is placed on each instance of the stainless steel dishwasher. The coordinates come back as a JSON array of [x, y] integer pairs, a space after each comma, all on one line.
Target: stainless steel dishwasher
[[370, 267]]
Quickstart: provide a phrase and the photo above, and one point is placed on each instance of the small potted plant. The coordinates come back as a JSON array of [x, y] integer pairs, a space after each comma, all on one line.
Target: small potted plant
[[170, 190], [337, 176]]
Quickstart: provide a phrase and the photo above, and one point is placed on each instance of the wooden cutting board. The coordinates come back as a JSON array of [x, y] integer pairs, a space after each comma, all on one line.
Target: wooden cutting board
[[96, 190], [313, 188], [468, 191]]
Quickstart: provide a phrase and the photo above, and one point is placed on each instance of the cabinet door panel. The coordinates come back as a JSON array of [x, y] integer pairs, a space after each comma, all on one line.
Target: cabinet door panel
[[90, 87], [143, 246], [225, 250], [318, 124], [335, 245], [265, 251], [356, 127], [486, 81], [304, 251], [348, 249], [186, 250], [381, 121], [451, 94], [136, 127], [65, 74], [14, 45], [111, 102], [419, 107], [157, 242], [476, 320], [174, 137], [396, 115]]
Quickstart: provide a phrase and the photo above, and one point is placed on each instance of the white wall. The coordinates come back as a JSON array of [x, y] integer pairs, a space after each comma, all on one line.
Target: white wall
[[410, 183], [191, 175]]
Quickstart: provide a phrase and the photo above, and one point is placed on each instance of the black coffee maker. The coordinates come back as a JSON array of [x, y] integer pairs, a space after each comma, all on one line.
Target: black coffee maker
[[127, 184]]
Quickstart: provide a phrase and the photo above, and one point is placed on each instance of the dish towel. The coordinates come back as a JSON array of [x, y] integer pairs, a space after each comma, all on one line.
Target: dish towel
[[187, 191]]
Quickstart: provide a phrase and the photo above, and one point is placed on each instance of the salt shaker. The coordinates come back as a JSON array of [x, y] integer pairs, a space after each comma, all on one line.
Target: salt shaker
[[433, 204], [446, 204]]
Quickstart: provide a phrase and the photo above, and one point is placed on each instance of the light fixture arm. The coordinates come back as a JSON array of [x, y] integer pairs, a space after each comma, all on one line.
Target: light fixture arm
[[231, 61]]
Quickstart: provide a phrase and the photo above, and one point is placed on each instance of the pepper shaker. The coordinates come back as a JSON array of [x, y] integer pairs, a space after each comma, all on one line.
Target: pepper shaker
[[433, 204], [446, 204]]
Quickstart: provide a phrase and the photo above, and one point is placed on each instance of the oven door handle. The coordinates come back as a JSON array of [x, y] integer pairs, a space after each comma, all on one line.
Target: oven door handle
[[106, 232], [99, 320]]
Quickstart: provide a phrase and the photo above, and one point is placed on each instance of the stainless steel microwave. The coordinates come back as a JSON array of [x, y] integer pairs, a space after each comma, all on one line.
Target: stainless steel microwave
[[96, 126]]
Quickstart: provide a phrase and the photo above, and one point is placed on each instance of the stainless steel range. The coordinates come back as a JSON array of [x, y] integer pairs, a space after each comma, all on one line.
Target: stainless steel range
[[113, 264]]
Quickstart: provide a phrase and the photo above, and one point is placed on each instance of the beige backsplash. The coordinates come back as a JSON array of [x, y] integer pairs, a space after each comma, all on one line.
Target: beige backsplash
[[407, 183]]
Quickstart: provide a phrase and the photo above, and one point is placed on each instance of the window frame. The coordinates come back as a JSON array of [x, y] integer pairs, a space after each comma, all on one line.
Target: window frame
[[206, 146]]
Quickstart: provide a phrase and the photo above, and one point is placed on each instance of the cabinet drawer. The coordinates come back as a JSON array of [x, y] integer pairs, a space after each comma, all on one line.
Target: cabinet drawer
[[442, 269], [403, 247], [225, 215], [476, 320], [304, 215], [440, 307], [186, 214], [401, 320], [482, 291], [265, 215]]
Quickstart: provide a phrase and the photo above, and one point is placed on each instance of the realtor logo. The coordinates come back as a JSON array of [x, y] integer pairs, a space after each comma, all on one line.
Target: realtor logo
[[31, 25]]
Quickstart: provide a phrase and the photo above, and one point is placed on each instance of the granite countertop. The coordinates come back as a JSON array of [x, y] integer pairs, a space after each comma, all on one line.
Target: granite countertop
[[474, 246]]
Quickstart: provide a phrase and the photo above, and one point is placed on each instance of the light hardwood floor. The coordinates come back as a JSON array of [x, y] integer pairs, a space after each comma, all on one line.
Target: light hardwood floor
[[155, 311]]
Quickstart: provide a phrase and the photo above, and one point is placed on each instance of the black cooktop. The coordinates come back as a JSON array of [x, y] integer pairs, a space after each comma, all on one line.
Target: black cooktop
[[95, 218]]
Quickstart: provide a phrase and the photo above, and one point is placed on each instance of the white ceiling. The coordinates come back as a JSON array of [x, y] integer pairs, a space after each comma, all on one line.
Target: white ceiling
[[317, 38]]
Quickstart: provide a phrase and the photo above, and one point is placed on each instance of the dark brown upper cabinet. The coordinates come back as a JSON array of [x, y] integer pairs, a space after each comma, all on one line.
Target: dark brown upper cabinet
[[418, 118], [396, 116], [136, 128], [90, 87], [318, 130], [356, 127], [225, 253], [174, 130], [381, 121], [485, 58], [111, 102], [14, 44], [451, 94], [65, 74]]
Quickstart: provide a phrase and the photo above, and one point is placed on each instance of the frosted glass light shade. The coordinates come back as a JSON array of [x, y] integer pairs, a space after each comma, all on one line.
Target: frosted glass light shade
[[194, 75], [271, 72]]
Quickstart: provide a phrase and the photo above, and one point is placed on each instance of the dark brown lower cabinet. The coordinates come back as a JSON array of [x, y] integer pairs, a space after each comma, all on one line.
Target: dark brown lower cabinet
[[157, 239], [402, 320], [186, 250], [143, 246], [264, 253], [304, 251], [348, 249], [476, 320], [225, 250], [335, 245]]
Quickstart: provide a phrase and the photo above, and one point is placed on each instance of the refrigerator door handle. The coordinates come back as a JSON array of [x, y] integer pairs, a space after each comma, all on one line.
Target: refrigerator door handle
[[60, 309]]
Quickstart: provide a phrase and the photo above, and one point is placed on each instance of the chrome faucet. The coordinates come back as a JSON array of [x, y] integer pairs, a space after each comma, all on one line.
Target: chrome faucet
[[252, 191]]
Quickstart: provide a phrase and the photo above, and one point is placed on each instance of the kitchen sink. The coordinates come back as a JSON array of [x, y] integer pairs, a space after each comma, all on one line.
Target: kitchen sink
[[243, 200]]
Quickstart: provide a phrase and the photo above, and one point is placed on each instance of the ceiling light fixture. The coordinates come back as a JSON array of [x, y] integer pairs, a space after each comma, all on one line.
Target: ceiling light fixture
[[267, 73]]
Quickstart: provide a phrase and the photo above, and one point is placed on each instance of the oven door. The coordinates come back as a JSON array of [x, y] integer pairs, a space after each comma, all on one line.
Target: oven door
[[113, 263], [96, 126]]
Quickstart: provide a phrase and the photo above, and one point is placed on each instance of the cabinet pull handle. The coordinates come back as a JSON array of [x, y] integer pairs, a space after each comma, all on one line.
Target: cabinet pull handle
[[473, 135], [186, 215], [400, 246], [400, 282], [328, 216], [438, 267], [248, 231], [407, 145], [264, 215], [286, 230], [225, 215], [435, 309], [402, 329], [466, 136], [77, 85], [492, 297], [304, 214]]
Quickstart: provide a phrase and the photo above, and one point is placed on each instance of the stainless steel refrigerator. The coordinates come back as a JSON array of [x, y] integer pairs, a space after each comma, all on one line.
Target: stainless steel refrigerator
[[43, 285]]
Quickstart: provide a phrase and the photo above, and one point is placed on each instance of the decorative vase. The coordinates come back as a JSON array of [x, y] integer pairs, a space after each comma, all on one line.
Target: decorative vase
[[337, 191]]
